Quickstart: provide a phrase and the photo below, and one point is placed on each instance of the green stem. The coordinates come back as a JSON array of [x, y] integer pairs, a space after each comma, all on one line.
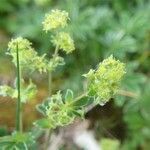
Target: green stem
[[18, 110], [78, 98], [81, 96], [50, 74], [56, 51], [49, 93], [49, 83], [48, 132]]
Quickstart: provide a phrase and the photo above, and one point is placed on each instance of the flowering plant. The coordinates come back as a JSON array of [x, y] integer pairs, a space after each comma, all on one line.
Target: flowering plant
[[58, 110]]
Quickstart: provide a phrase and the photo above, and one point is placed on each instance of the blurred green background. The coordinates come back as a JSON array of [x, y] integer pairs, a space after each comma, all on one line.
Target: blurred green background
[[99, 28]]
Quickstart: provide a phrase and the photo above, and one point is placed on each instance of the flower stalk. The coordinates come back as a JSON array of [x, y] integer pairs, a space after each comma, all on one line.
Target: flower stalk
[[18, 109], [48, 133]]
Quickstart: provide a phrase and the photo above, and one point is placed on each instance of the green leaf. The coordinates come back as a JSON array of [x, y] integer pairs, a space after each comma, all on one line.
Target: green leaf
[[3, 144], [43, 123], [83, 102], [13, 146], [79, 113], [22, 146], [42, 107], [17, 141], [3, 131], [9, 146], [69, 95]]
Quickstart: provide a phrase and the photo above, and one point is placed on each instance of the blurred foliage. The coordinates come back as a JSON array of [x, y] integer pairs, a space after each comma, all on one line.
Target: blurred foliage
[[99, 28], [110, 144], [17, 141]]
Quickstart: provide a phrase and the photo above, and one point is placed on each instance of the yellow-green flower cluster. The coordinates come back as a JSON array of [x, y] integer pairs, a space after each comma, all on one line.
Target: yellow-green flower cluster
[[104, 82], [28, 57], [40, 63], [8, 91], [64, 42], [54, 62], [20, 43], [55, 19], [28, 92], [26, 53], [58, 113]]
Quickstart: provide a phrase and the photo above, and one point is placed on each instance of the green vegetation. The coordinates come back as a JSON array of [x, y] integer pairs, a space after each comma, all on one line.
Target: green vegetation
[[84, 34]]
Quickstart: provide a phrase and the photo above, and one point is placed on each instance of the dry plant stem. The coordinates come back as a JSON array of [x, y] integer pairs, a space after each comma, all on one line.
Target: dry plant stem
[[121, 92], [127, 93], [18, 109]]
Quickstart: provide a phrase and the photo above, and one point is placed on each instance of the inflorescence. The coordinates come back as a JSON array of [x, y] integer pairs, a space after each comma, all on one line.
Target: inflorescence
[[103, 83]]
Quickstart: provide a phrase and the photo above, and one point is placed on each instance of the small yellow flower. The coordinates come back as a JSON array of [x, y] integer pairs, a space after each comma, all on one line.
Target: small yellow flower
[[63, 41], [55, 19]]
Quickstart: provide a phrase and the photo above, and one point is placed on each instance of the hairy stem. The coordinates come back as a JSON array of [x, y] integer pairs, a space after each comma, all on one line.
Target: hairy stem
[[18, 110], [127, 93]]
